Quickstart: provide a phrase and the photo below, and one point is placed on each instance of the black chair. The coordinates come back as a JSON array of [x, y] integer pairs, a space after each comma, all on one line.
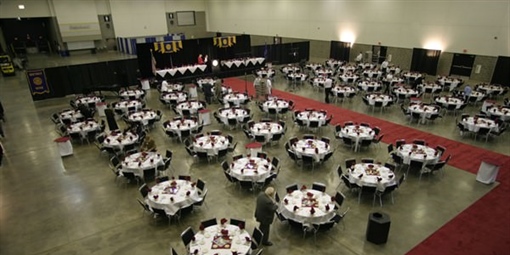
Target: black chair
[[400, 142], [291, 188], [350, 162], [184, 177], [415, 165], [430, 169], [276, 163], [162, 179], [348, 141], [208, 223], [293, 156], [221, 154], [239, 223], [257, 237], [390, 166], [339, 199], [419, 142], [144, 190], [483, 131], [201, 185], [367, 160], [187, 236], [308, 160], [319, 186], [386, 191]]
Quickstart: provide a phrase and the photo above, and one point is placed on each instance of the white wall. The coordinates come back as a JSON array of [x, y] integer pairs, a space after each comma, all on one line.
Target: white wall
[[441, 24], [77, 20]]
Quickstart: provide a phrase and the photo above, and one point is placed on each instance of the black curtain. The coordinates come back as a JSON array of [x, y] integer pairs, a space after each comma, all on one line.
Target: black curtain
[[283, 53], [501, 73], [462, 64], [425, 61], [339, 50]]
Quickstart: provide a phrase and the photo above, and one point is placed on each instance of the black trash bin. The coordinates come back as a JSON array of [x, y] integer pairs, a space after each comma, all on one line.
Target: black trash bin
[[378, 227]]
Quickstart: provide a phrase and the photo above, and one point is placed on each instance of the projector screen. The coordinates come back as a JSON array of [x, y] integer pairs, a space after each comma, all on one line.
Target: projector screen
[[186, 18]]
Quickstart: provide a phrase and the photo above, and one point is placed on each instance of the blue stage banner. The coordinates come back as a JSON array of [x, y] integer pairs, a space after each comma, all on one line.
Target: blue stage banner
[[37, 81]]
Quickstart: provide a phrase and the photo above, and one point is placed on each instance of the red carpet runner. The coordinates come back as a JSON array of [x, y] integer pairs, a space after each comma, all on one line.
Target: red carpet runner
[[483, 228]]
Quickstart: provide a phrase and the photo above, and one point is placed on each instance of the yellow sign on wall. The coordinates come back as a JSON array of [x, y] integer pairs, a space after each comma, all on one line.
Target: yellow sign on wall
[[168, 47], [224, 42]]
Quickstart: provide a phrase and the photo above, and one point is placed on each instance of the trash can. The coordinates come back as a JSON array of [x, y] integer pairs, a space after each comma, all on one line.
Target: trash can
[[204, 117], [378, 227], [193, 91], [101, 106], [65, 148], [488, 171]]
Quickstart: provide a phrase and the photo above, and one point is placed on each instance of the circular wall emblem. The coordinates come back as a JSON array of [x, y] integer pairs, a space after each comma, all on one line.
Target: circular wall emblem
[[37, 81]]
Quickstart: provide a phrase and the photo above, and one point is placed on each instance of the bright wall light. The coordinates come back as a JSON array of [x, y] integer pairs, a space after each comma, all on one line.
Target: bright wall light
[[215, 62], [433, 44], [21, 7], [347, 36]]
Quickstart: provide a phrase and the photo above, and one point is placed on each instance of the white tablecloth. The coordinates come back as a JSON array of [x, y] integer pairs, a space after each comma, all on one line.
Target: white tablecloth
[[500, 111], [232, 113], [172, 195], [385, 99], [175, 96], [125, 104], [192, 106], [210, 144], [300, 200], [311, 147], [405, 91], [172, 87], [417, 152], [200, 82], [177, 126], [365, 85], [181, 70], [210, 241], [83, 127], [307, 116], [290, 69], [490, 88], [137, 162], [117, 139], [474, 124], [369, 175], [449, 82], [357, 133], [425, 111], [73, 115], [87, 100], [277, 104], [235, 98], [131, 93], [445, 100], [345, 90], [348, 77], [430, 86], [268, 129], [251, 169], [142, 116], [265, 73], [372, 73]]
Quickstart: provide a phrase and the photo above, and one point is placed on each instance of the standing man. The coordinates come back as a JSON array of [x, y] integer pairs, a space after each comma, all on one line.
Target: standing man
[[359, 58], [264, 213], [269, 86], [208, 93], [218, 88], [467, 92], [328, 85], [259, 88], [200, 60]]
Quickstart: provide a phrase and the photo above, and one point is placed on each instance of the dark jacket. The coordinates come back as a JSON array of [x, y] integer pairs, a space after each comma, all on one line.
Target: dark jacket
[[264, 213]]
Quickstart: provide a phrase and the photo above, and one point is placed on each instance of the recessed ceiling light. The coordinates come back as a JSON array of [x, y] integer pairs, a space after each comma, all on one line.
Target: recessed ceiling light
[[21, 7]]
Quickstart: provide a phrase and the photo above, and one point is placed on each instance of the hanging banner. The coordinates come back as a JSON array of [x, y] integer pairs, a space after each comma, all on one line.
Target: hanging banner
[[37, 81], [224, 42], [168, 47]]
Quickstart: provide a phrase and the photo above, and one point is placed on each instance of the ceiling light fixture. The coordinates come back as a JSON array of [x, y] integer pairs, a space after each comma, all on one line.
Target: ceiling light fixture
[[21, 7]]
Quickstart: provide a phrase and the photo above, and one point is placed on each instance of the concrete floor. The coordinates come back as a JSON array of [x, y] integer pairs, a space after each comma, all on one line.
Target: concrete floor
[[71, 205]]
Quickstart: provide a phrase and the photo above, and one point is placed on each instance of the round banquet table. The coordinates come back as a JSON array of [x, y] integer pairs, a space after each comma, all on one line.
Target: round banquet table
[[307, 116], [376, 97], [502, 112], [313, 66], [319, 81], [87, 100], [347, 68], [143, 116], [83, 127], [369, 85], [446, 100], [298, 204], [132, 93], [206, 80], [424, 110], [290, 69], [174, 97], [118, 139], [210, 144], [406, 92], [177, 126], [450, 83], [372, 73], [221, 240], [297, 76], [192, 106], [253, 169], [433, 87], [418, 152], [224, 90], [232, 113], [137, 162], [311, 147], [473, 124], [235, 98], [323, 72], [490, 89], [369, 174], [348, 77], [267, 129], [124, 105], [172, 87], [173, 195], [333, 63], [412, 75], [265, 73], [275, 103], [479, 95], [357, 133], [72, 115], [345, 90]]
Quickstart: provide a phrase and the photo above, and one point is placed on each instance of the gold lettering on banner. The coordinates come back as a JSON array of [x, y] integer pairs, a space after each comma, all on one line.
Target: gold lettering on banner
[[167, 47], [224, 42]]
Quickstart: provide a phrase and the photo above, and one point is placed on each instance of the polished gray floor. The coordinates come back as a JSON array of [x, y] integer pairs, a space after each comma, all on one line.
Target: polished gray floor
[[72, 205]]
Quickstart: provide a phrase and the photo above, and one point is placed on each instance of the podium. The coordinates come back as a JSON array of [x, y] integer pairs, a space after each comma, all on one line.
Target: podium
[[378, 227], [101, 106], [64, 145], [253, 148], [204, 117], [488, 171]]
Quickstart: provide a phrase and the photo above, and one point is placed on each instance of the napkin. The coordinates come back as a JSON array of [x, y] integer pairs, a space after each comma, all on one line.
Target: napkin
[[295, 208], [312, 211], [286, 201], [187, 193], [309, 194], [224, 232], [247, 238], [223, 221], [201, 227], [155, 196], [303, 187], [327, 207], [361, 175]]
